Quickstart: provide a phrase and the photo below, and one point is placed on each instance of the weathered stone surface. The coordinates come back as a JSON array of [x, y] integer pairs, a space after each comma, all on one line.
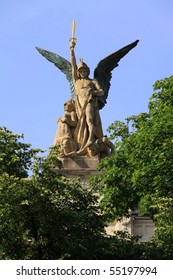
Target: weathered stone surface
[[81, 167], [80, 162]]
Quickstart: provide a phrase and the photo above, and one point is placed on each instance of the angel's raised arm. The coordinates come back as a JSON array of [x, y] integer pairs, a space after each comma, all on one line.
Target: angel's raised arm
[[73, 59]]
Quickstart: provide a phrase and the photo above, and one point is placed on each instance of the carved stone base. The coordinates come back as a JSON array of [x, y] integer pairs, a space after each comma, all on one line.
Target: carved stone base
[[80, 162], [79, 166]]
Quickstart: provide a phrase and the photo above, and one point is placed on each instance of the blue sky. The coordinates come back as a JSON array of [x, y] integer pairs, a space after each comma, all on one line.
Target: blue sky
[[33, 90]]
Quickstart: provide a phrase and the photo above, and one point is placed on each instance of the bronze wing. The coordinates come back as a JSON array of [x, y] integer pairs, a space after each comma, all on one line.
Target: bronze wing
[[103, 74], [63, 64]]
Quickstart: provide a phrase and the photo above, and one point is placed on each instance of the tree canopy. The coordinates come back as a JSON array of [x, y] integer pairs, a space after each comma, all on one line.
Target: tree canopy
[[45, 216], [15, 155], [140, 172], [48, 216]]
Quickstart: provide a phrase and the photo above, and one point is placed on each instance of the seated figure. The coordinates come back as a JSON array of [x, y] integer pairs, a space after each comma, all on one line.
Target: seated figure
[[65, 132]]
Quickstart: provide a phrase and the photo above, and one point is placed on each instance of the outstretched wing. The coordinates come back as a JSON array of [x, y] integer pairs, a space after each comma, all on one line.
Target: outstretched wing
[[103, 74], [63, 64]]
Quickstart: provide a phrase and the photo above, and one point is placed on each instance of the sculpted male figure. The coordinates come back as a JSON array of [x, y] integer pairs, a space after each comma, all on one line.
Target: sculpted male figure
[[89, 127]]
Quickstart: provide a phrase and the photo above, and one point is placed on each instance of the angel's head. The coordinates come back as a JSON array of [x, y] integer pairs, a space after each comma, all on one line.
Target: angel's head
[[83, 70]]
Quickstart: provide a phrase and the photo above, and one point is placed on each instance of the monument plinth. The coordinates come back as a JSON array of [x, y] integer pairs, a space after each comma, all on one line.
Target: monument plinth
[[82, 167], [80, 162]]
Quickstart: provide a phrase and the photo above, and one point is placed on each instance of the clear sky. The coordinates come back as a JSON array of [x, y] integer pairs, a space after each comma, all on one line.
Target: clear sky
[[33, 90]]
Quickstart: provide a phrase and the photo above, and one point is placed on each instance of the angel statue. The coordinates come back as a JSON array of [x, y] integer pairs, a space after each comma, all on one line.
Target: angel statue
[[88, 97]]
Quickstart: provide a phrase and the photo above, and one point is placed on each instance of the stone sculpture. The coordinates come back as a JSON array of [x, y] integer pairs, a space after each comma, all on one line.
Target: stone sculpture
[[80, 129]]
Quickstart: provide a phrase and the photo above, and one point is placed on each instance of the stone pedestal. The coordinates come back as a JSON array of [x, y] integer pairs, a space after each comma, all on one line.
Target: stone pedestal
[[80, 162], [82, 167]]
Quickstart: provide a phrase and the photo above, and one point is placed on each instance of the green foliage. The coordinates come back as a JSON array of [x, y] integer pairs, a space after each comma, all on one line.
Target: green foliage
[[123, 246], [48, 216], [163, 239], [140, 172], [15, 156]]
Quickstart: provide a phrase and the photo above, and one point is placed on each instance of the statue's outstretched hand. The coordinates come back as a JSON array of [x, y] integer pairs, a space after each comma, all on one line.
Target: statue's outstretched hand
[[72, 43]]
